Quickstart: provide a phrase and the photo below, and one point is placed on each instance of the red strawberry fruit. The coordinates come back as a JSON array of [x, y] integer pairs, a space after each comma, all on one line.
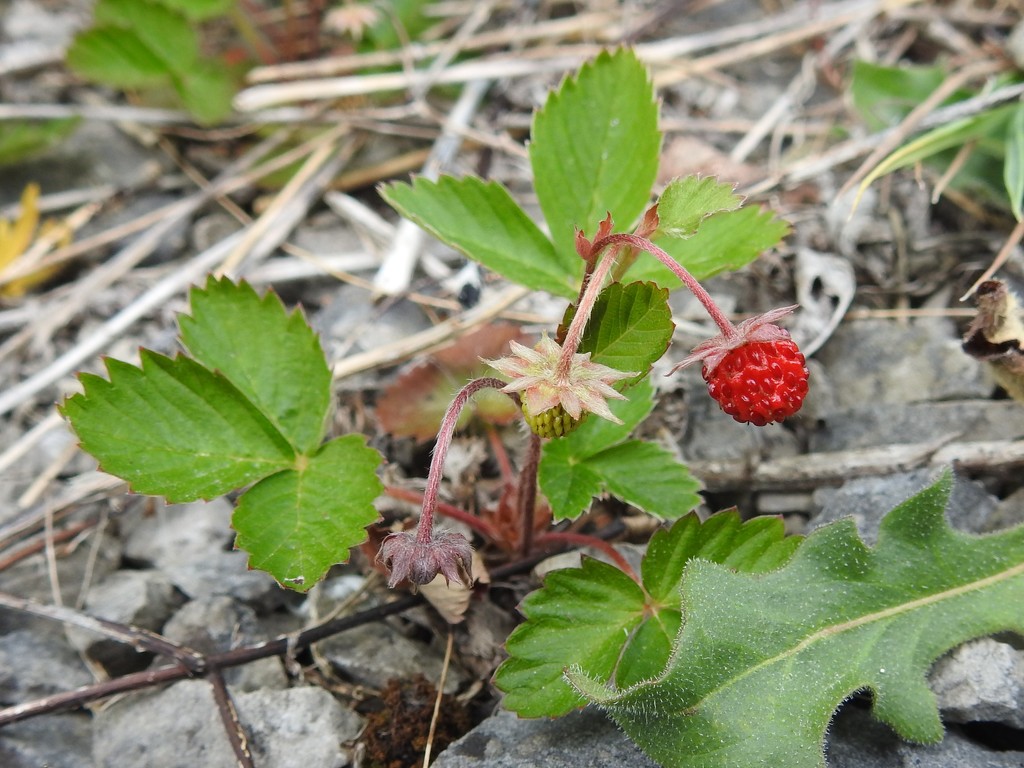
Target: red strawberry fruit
[[759, 382], [754, 370]]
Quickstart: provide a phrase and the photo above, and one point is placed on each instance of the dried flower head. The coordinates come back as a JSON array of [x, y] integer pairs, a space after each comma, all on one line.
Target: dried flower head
[[582, 388], [446, 552]]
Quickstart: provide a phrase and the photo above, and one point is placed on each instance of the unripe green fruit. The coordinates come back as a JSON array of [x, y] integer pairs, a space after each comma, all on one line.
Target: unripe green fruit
[[554, 422]]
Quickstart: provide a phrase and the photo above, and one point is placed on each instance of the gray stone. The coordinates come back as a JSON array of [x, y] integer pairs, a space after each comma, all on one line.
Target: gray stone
[[585, 739], [981, 681], [30, 578], [219, 623], [181, 533], [888, 424], [35, 664], [856, 740], [228, 574], [51, 741], [874, 362], [191, 543], [96, 153], [372, 654], [867, 500], [298, 727], [180, 728], [143, 599], [1009, 512]]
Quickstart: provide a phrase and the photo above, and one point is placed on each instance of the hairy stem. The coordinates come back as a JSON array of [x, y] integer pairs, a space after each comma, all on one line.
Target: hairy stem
[[528, 494], [485, 529], [642, 243], [583, 310], [444, 440]]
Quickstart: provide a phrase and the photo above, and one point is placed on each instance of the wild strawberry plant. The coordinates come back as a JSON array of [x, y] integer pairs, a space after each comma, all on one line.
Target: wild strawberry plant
[[734, 644]]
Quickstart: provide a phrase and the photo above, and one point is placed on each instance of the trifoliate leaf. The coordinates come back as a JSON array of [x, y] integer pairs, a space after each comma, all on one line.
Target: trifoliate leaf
[[298, 523], [597, 618], [686, 202], [172, 428], [481, 220], [594, 149], [270, 354], [762, 661], [598, 458]]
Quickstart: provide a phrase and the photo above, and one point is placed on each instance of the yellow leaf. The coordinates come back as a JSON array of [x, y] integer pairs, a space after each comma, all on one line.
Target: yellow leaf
[[17, 238], [14, 239]]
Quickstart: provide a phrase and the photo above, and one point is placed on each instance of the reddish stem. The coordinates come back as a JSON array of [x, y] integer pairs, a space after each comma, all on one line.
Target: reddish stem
[[574, 335], [444, 440], [528, 494], [643, 244], [585, 540], [448, 510], [500, 455]]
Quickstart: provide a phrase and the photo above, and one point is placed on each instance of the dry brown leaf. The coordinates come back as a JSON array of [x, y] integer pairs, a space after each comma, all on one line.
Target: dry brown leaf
[[996, 336], [415, 403], [452, 600]]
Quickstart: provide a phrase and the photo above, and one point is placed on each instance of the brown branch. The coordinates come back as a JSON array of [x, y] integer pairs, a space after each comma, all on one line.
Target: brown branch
[[219, 661], [192, 662], [229, 717], [280, 646]]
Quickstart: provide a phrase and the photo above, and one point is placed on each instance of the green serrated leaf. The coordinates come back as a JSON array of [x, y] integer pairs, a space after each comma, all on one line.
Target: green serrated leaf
[[298, 523], [647, 476], [725, 241], [115, 57], [597, 458], [686, 202], [762, 662], [595, 617], [630, 327], [755, 546], [581, 614], [172, 428], [270, 354], [481, 220], [1013, 168], [166, 33], [594, 149]]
